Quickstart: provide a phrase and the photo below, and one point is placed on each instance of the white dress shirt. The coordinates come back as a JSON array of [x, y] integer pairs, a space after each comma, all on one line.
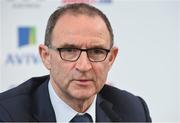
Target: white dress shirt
[[63, 112]]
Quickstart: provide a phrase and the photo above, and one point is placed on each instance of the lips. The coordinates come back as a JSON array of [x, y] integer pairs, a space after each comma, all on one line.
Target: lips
[[83, 82]]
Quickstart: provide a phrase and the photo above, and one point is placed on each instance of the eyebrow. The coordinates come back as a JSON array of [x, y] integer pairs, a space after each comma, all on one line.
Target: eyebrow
[[76, 46], [69, 46], [97, 47]]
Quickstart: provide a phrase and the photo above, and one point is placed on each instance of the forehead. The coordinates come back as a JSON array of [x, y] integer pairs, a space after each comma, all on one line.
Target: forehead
[[80, 29]]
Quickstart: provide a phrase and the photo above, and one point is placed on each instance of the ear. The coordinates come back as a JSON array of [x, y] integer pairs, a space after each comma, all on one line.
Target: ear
[[45, 56], [112, 57]]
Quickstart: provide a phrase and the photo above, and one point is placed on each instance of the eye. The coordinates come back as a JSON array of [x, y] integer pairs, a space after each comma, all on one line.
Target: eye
[[97, 51]]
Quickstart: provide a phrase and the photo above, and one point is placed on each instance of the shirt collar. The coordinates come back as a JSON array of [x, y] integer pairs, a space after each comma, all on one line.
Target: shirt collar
[[63, 112]]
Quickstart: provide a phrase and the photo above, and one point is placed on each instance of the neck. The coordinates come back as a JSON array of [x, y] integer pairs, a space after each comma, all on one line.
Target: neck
[[81, 105]]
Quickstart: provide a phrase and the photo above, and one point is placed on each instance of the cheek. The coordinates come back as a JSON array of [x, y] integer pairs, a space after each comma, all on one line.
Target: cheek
[[60, 71], [101, 72]]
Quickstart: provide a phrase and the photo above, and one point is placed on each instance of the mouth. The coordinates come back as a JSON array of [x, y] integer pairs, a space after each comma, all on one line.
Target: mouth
[[83, 82]]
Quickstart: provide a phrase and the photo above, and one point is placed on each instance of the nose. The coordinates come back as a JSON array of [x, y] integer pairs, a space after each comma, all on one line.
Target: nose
[[83, 64]]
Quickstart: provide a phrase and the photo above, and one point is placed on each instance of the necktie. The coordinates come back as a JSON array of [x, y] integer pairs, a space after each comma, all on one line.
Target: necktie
[[82, 118]]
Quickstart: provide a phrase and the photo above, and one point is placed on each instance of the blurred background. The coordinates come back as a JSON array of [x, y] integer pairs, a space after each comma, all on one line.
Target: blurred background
[[146, 33]]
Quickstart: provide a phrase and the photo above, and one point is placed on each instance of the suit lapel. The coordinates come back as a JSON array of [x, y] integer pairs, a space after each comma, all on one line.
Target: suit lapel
[[105, 111], [43, 110]]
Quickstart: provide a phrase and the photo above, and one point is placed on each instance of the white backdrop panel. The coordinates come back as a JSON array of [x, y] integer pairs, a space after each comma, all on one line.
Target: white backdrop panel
[[146, 33]]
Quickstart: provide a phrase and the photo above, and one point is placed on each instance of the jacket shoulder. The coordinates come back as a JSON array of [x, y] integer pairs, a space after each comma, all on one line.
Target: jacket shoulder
[[25, 88], [127, 103], [111, 93], [17, 102]]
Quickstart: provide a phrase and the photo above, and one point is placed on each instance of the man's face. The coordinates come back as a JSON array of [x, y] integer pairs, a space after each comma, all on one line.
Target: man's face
[[81, 79]]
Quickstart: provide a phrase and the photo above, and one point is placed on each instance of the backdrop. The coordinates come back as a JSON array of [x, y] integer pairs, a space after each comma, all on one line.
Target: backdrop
[[146, 32]]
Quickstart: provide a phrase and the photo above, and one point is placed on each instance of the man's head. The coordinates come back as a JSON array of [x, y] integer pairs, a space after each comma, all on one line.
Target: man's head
[[78, 52], [75, 9]]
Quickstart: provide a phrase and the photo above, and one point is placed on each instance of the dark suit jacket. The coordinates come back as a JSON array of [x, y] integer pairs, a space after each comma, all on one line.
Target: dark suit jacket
[[31, 102]]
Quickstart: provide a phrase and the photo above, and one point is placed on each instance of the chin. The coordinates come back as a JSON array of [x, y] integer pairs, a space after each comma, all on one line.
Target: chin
[[83, 95]]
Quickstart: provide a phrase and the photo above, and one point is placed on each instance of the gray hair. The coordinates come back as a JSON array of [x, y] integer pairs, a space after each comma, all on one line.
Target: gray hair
[[75, 9]]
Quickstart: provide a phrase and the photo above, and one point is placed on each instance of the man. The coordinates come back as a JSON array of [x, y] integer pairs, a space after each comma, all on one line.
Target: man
[[78, 52]]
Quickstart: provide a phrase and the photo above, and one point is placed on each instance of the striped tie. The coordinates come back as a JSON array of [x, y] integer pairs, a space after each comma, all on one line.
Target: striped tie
[[82, 118]]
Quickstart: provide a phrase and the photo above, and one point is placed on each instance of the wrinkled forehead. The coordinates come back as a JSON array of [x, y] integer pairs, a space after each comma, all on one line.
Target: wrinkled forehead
[[81, 28], [83, 12]]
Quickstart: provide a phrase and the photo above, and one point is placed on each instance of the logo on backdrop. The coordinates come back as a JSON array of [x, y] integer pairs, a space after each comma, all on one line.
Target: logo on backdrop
[[24, 54], [26, 36], [86, 1]]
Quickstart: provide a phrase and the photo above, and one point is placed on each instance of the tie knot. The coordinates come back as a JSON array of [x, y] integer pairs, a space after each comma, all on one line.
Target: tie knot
[[82, 118]]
